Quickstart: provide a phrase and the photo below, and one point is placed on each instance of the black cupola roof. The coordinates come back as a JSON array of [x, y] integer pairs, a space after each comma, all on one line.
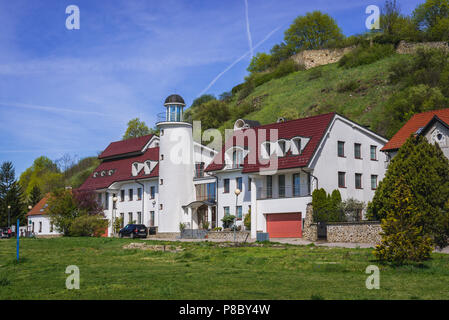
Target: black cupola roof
[[174, 98]]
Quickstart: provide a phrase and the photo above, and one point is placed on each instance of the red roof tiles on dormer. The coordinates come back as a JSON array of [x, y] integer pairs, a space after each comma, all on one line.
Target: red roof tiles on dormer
[[121, 170], [313, 127]]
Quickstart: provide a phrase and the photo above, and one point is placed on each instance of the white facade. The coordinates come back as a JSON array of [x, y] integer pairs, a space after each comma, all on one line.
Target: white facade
[[183, 194], [40, 225], [322, 172]]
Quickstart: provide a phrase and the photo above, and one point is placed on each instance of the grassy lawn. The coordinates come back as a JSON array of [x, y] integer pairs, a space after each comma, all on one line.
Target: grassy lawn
[[207, 271]]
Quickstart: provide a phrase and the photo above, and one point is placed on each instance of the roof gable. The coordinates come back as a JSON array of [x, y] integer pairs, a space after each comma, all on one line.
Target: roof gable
[[39, 208], [125, 147], [417, 122]]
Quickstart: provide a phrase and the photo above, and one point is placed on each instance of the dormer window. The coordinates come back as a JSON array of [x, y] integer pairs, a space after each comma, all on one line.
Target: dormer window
[[283, 147], [298, 144], [95, 174], [266, 149], [111, 172], [237, 158], [103, 173]]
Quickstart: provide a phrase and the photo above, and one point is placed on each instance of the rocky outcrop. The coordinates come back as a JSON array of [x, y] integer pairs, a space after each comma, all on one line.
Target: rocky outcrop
[[314, 58], [405, 47]]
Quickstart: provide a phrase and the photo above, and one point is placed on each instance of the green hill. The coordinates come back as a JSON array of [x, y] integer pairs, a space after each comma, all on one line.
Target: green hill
[[358, 93]]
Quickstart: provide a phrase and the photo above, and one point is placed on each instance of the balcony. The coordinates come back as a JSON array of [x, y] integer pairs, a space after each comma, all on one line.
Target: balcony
[[205, 197], [282, 192]]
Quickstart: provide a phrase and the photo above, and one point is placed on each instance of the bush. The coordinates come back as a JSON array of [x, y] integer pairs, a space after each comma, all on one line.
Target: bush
[[327, 208], [261, 78], [247, 220], [182, 226], [260, 62], [345, 86], [247, 89], [286, 67], [352, 209], [237, 88], [366, 55], [88, 226], [228, 220], [118, 224]]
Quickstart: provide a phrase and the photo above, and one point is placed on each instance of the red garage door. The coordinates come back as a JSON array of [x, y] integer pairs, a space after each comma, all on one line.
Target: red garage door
[[284, 225]]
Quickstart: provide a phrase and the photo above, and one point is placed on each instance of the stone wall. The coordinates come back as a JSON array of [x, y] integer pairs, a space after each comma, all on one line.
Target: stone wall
[[165, 235], [314, 58], [240, 236], [405, 47], [310, 231], [355, 232]]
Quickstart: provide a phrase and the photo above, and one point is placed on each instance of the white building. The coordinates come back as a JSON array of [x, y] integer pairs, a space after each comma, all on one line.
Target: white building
[[38, 221], [327, 151], [168, 180]]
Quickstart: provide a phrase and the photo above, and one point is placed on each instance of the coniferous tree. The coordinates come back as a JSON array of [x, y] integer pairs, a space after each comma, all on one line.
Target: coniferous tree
[[10, 195], [425, 170], [35, 196], [403, 239]]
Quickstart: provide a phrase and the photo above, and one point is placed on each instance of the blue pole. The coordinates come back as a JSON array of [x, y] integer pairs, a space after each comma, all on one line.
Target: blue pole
[[17, 234]]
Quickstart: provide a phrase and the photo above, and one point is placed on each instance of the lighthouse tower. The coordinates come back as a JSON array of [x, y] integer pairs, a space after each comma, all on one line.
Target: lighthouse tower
[[176, 165]]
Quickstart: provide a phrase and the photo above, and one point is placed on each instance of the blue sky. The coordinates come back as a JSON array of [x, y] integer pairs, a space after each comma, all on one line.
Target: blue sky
[[73, 91]]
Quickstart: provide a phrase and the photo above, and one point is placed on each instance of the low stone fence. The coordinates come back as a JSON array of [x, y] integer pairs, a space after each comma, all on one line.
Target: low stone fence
[[165, 235], [240, 236], [193, 234], [354, 232]]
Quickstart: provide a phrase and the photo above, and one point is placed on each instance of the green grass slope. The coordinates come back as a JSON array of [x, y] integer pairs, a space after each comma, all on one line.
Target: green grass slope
[[319, 90]]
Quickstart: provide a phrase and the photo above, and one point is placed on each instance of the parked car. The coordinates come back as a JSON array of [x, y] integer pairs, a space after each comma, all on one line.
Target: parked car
[[5, 233], [133, 231]]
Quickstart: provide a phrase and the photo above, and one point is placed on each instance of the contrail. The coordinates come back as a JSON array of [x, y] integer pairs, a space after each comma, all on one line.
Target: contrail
[[248, 32], [237, 61], [50, 109]]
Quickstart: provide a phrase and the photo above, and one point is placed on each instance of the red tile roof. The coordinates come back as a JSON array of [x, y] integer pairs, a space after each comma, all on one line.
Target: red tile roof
[[122, 170], [39, 208], [418, 121], [312, 127], [125, 146]]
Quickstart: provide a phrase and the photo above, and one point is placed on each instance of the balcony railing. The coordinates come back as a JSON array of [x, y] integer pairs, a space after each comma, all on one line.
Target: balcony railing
[[234, 165], [282, 192], [205, 197]]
